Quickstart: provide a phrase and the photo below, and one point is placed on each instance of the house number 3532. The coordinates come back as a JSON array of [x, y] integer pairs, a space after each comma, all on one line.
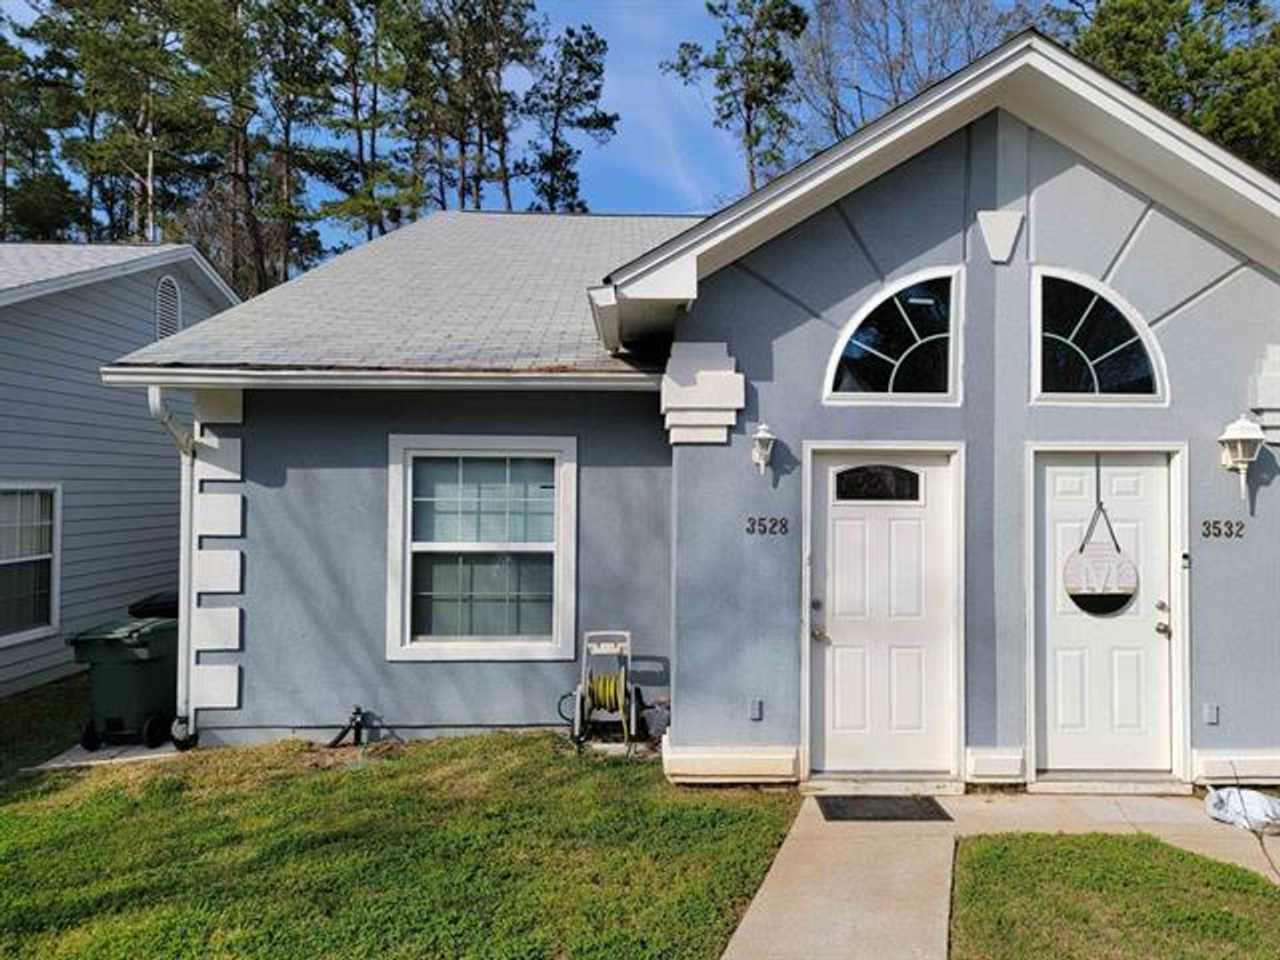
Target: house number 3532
[[767, 526], [1222, 529]]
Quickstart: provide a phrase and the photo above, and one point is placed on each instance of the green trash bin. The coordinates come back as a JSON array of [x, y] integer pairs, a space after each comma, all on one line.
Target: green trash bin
[[133, 680]]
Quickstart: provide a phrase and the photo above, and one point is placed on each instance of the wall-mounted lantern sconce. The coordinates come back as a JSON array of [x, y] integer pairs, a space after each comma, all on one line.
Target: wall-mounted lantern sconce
[[1241, 443], [762, 447]]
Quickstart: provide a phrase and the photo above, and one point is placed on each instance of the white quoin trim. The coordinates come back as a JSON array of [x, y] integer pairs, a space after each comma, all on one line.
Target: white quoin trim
[[741, 764], [1264, 392], [208, 512], [701, 393]]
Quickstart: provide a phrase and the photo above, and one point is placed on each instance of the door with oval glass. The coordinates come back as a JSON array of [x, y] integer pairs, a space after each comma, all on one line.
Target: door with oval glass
[[1103, 651], [884, 587]]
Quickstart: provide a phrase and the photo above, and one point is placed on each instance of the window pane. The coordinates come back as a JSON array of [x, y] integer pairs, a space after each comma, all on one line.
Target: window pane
[[484, 478], [1103, 330], [482, 594], [533, 521], [928, 305], [25, 596], [862, 372], [533, 478], [1063, 304], [437, 478], [1063, 369], [438, 521], [924, 368], [885, 331], [877, 482], [1126, 371]]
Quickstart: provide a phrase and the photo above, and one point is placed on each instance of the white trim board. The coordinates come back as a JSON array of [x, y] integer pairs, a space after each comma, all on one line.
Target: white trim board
[[742, 764], [995, 764], [401, 451], [240, 378], [1229, 766], [1179, 589], [148, 261], [956, 450]]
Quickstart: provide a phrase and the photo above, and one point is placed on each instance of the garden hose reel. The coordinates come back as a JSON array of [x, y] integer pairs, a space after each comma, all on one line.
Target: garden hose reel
[[606, 690]]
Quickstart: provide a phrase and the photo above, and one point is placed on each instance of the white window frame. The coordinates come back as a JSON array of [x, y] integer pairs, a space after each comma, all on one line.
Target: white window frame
[[54, 625], [1145, 334], [402, 449], [954, 397], [177, 290]]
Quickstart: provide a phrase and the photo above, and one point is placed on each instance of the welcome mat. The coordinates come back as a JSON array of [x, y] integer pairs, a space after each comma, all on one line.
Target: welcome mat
[[888, 809]]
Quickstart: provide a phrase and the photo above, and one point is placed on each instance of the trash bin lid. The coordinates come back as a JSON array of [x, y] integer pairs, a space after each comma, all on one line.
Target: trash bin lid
[[131, 631]]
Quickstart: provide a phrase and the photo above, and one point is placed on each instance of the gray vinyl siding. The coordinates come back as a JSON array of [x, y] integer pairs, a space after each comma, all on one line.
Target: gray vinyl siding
[[117, 468]]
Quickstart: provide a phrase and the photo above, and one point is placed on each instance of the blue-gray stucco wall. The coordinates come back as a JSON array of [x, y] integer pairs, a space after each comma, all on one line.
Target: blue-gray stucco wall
[[780, 310], [315, 558]]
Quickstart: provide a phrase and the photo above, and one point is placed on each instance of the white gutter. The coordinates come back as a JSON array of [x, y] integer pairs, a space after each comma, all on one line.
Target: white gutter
[[202, 378]]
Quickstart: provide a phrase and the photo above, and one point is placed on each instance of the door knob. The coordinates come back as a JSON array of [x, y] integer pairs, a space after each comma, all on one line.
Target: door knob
[[1163, 629], [820, 635]]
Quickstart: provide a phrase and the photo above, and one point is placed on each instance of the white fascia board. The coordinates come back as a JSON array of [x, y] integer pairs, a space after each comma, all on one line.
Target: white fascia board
[[161, 258], [1045, 86], [201, 378]]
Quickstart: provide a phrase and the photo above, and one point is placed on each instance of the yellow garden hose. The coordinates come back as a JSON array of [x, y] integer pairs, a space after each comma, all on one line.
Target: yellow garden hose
[[607, 691]]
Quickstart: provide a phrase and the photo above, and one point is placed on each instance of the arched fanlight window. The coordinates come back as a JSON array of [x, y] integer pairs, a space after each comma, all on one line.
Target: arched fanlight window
[[1091, 344], [168, 308], [878, 481], [902, 347]]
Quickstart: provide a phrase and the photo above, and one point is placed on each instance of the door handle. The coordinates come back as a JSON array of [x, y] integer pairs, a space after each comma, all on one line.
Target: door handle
[[1163, 629], [818, 634]]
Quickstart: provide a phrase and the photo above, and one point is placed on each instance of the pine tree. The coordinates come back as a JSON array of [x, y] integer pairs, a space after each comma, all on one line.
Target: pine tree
[[564, 99]]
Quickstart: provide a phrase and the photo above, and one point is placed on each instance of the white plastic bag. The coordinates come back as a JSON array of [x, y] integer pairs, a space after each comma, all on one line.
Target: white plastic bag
[[1247, 809]]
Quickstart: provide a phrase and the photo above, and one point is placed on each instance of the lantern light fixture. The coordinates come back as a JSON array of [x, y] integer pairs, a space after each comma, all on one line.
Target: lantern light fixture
[[762, 447], [1241, 442]]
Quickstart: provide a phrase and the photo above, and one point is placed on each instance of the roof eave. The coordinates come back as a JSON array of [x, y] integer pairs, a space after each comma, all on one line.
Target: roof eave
[[80, 278], [312, 378]]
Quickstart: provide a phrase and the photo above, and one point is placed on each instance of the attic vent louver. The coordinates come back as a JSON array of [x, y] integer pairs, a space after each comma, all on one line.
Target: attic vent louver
[[168, 308]]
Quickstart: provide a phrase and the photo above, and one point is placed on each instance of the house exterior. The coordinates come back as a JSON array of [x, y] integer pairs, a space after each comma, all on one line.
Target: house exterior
[[986, 534], [88, 484]]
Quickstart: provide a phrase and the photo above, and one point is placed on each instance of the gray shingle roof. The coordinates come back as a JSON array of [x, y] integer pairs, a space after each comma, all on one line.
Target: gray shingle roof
[[454, 291], [26, 264]]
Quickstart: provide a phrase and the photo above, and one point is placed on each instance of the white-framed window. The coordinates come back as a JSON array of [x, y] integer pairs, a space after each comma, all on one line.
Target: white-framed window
[[482, 542], [30, 559], [168, 307], [1089, 346], [903, 347]]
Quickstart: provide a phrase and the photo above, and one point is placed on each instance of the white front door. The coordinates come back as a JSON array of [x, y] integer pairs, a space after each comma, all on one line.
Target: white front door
[[883, 619], [1103, 697]]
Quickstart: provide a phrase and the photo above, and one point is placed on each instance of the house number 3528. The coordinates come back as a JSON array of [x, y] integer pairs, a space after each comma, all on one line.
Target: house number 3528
[[1222, 529], [767, 526]]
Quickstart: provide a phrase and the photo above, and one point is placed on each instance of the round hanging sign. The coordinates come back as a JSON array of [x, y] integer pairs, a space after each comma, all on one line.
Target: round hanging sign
[[1100, 578]]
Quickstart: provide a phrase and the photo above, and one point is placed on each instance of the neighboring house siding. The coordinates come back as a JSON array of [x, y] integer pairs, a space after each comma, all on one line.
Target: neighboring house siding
[[780, 311], [117, 468], [315, 559]]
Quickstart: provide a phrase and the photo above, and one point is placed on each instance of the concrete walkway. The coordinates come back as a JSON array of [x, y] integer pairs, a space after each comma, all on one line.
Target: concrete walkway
[[78, 757], [883, 890]]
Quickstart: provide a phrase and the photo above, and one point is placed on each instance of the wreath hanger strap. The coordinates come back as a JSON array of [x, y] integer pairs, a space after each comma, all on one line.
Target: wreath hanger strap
[[1099, 509]]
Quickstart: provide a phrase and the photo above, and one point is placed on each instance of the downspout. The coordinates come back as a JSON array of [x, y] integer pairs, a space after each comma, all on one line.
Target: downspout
[[184, 440]]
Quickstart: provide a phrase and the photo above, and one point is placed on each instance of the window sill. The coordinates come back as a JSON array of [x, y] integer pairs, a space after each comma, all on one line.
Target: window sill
[[28, 636], [892, 400], [480, 651]]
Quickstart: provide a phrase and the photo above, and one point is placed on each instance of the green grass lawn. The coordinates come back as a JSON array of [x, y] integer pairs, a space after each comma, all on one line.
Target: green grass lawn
[[1057, 897], [503, 846], [40, 723]]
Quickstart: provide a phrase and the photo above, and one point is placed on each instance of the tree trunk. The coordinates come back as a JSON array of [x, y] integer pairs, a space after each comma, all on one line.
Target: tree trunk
[[4, 183]]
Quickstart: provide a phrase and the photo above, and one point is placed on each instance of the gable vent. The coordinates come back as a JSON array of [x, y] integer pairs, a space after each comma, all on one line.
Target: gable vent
[[168, 308]]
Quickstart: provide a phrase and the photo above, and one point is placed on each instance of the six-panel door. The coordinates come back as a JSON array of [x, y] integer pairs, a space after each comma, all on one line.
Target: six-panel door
[[1103, 696], [884, 574]]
